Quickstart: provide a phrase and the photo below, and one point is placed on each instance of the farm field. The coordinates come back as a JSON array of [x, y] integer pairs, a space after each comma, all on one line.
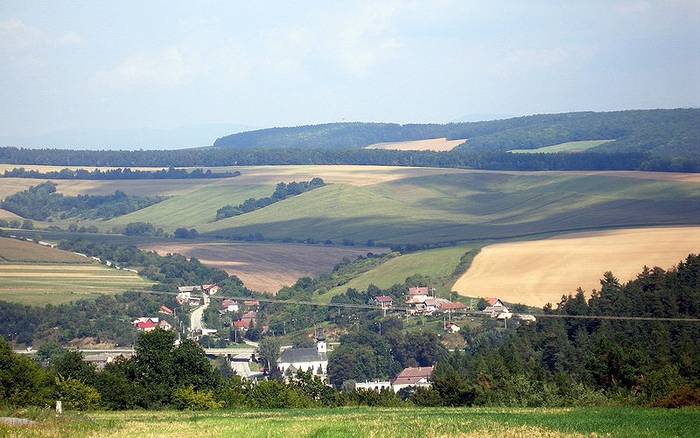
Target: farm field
[[436, 263], [13, 250], [264, 267], [39, 284], [37, 275], [541, 271], [469, 206], [571, 146], [430, 144], [374, 422]]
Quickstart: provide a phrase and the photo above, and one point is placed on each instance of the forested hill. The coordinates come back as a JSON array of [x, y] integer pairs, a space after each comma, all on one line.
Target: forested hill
[[664, 132]]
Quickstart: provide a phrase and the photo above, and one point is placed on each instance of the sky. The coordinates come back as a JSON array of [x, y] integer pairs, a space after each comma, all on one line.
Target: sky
[[174, 74]]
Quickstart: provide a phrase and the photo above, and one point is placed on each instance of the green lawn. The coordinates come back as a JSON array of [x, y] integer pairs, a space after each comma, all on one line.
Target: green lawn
[[374, 422], [570, 146]]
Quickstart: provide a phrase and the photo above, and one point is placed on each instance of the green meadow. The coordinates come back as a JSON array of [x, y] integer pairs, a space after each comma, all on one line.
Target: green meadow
[[371, 422]]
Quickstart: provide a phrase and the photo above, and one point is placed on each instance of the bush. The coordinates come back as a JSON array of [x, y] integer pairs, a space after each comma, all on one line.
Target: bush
[[188, 398], [683, 396], [76, 394]]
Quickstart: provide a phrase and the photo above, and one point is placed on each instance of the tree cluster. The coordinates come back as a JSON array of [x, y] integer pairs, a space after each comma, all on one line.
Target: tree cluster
[[42, 202], [282, 191]]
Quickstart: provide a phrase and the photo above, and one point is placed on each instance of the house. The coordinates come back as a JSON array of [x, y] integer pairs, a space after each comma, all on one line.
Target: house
[[452, 328], [251, 303], [145, 326], [450, 307], [314, 359], [382, 301], [229, 305], [165, 325], [165, 310], [208, 332], [494, 307], [377, 385], [412, 376], [434, 304], [241, 325], [189, 288], [417, 294], [145, 319], [210, 289], [251, 317]]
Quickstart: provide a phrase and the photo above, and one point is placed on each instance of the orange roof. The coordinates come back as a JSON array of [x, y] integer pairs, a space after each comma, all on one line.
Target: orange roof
[[413, 375], [452, 306], [490, 300]]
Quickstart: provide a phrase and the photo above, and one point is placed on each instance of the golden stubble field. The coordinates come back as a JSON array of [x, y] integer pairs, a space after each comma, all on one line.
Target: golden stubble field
[[541, 271], [264, 267], [430, 144]]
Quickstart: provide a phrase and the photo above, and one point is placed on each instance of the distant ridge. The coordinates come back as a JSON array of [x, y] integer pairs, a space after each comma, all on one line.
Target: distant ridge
[[662, 132]]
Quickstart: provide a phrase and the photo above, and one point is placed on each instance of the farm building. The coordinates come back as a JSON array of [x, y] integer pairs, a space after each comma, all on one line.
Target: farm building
[[165, 310], [314, 359], [412, 376]]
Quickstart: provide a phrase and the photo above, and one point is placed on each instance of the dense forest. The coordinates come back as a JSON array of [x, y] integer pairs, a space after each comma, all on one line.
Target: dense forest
[[42, 202], [119, 173], [668, 133], [282, 192]]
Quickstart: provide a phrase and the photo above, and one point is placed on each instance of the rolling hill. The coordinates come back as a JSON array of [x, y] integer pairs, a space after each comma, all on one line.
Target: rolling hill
[[669, 133]]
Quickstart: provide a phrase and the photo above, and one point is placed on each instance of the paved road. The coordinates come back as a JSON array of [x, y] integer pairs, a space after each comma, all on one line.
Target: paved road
[[196, 316]]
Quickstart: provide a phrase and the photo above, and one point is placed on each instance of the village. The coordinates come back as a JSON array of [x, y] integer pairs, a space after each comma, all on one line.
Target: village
[[241, 316]]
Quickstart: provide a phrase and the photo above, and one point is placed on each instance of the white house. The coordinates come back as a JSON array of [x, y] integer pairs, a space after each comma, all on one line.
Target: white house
[[314, 359], [417, 295], [495, 307]]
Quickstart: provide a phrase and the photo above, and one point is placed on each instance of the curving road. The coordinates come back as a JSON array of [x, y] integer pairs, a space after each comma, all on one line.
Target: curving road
[[196, 316]]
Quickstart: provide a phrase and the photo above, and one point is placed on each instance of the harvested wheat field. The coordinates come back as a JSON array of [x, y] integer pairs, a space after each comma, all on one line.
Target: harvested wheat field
[[541, 271], [430, 144], [264, 267]]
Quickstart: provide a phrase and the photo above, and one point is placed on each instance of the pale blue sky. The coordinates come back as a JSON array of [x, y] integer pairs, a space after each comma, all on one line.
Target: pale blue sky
[[100, 66]]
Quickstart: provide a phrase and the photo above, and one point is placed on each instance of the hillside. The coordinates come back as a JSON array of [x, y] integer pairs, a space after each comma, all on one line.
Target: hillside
[[669, 133], [469, 206]]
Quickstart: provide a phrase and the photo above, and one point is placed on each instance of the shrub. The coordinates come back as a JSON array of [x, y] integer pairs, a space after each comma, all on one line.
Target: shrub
[[76, 394], [683, 396], [188, 398]]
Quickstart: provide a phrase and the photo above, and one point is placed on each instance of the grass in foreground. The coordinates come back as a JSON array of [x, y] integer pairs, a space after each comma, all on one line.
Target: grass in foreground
[[359, 422]]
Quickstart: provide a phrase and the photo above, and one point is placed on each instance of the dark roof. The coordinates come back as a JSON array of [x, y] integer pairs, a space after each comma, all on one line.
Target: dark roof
[[295, 355]]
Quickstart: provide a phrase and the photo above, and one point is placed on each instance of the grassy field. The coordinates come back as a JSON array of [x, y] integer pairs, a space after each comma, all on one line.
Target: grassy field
[[436, 263], [541, 271], [430, 144], [37, 275], [13, 250], [264, 267], [373, 422], [469, 206], [570, 146], [39, 284]]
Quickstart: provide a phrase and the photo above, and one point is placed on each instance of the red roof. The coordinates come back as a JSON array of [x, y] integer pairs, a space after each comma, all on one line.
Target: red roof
[[453, 306], [491, 300], [145, 324], [249, 315], [166, 310], [418, 291], [243, 324], [412, 375], [383, 299]]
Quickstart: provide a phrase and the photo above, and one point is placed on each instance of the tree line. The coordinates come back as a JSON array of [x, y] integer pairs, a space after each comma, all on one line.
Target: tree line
[[119, 173], [471, 159], [282, 192]]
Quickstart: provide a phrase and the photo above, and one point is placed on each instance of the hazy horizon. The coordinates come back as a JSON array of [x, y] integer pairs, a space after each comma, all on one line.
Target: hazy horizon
[[175, 74]]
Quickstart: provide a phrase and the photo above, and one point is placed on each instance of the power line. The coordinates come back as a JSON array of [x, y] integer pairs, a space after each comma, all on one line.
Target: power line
[[458, 312]]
